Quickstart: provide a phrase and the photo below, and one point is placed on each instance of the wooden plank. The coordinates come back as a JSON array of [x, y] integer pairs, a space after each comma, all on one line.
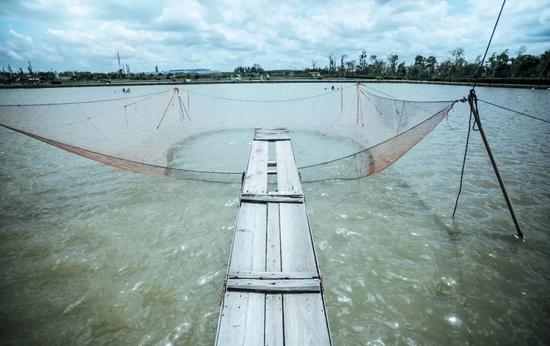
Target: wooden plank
[[288, 180], [279, 130], [242, 319], [272, 198], [296, 248], [273, 292], [248, 253], [274, 335], [272, 275], [271, 135], [274, 286], [305, 320], [273, 250], [255, 180], [272, 138]]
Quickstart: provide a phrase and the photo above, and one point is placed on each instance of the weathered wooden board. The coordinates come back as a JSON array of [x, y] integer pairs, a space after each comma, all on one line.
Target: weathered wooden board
[[305, 320], [272, 275], [274, 332], [273, 245], [255, 180], [273, 291], [296, 246], [288, 180], [271, 197], [242, 319], [248, 251], [274, 286], [271, 135]]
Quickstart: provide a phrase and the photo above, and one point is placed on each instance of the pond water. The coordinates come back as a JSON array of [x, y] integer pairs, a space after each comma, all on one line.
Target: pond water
[[93, 255]]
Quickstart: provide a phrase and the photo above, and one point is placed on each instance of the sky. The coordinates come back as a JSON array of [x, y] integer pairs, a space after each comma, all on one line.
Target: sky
[[85, 35]]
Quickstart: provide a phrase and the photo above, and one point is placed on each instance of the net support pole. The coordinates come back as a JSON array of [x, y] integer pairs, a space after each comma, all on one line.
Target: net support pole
[[472, 100], [341, 99], [357, 92]]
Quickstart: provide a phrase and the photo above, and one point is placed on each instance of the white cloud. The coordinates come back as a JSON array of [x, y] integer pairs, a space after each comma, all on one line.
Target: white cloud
[[223, 34]]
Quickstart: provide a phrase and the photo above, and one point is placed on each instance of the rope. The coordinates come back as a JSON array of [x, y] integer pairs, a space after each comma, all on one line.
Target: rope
[[488, 45], [167, 106], [393, 98], [83, 102], [103, 113], [463, 163], [514, 111], [471, 109], [263, 100]]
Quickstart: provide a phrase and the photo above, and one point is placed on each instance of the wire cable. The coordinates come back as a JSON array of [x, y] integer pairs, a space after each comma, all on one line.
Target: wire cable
[[514, 111], [84, 102]]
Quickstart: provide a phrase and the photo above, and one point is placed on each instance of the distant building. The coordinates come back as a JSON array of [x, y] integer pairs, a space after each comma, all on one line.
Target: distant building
[[127, 69], [156, 69]]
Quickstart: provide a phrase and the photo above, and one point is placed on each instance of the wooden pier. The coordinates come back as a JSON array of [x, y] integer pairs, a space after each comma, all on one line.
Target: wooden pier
[[273, 293]]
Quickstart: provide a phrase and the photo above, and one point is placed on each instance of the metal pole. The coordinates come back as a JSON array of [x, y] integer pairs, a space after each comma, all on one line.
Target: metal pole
[[472, 99]]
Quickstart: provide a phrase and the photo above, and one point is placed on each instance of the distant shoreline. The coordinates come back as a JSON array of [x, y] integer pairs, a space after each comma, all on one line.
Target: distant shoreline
[[123, 83]]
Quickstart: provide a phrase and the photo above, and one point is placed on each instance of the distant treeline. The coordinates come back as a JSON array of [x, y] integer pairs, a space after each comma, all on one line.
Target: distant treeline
[[498, 68]]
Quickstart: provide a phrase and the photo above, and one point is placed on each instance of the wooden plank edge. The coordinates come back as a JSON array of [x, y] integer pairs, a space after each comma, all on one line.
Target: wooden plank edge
[[275, 286], [272, 275], [270, 199]]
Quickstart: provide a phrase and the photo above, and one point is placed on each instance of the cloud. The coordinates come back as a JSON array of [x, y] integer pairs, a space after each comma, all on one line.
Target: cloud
[[87, 34]]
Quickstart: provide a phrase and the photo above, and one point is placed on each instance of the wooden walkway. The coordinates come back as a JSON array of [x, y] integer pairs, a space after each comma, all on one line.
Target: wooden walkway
[[273, 293]]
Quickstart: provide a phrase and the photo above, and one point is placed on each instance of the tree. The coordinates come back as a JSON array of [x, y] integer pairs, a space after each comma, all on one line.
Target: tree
[[331, 63], [525, 66], [363, 61], [392, 63], [543, 70], [376, 67], [342, 61], [499, 65], [430, 66], [401, 70], [418, 69]]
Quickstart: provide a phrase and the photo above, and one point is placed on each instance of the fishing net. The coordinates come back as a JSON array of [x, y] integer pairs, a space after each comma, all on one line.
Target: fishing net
[[204, 132]]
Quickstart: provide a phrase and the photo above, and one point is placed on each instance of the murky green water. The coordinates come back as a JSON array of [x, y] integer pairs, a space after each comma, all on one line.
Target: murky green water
[[92, 255]]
